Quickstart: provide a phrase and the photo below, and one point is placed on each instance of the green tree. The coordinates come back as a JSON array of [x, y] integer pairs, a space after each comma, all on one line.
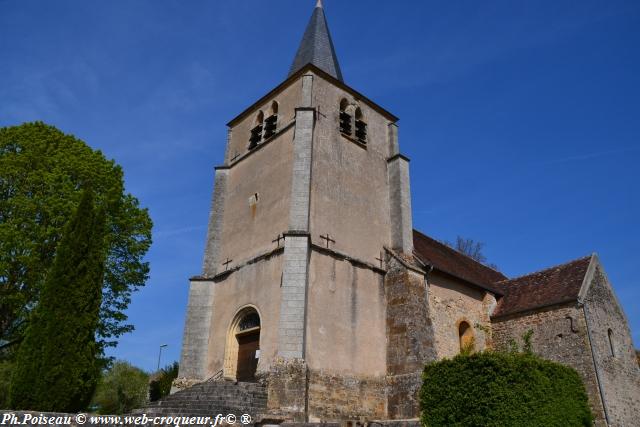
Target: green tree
[[121, 389], [5, 381], [41, 172], [160, 385], [502, 390], [57, 364]]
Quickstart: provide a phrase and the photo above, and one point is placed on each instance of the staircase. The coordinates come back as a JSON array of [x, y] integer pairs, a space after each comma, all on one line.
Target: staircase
[[211, 398]]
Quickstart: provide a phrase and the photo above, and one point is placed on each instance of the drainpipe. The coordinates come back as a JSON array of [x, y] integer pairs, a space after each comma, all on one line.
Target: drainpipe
[[595, 365]]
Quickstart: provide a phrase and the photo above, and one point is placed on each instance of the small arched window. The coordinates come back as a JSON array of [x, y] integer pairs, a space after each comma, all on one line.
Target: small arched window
[[612, 348], [256, 132], [465, 336], [361, 127], [345, 117], [271, 122]]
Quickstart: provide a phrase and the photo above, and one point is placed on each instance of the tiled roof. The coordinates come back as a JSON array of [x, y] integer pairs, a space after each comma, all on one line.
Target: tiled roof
[[455, 263], [317, 47], [554, 285]]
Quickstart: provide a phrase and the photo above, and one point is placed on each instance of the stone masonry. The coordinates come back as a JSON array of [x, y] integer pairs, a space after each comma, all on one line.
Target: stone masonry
[[613, 352], [410, 335], [560, 335]]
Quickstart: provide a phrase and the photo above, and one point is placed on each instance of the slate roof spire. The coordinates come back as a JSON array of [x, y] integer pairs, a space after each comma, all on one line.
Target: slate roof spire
[[316, 46]]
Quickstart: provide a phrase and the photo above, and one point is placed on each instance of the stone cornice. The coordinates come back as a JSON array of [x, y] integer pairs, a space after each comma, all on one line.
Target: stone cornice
[[342, 256], [223, 275]]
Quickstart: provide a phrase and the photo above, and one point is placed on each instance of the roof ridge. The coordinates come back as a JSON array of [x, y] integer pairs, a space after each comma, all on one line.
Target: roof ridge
[[545, 269], [461, 253]]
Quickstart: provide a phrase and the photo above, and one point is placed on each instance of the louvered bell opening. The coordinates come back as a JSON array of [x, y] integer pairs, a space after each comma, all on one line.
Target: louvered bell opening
[[361, 131], [345, 123], [256, 137], [270, 126]]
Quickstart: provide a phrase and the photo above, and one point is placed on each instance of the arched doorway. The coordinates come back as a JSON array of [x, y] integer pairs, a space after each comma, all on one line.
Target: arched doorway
[[243, 346]]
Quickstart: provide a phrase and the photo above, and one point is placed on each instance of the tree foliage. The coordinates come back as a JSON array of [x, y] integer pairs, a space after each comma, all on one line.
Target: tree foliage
[[121, 389], [57, 365], [41, 173], [502, 389], [472, 249], [6, 367], [160, 386]]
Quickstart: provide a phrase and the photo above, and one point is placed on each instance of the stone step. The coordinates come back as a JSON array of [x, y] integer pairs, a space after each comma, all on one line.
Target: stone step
[[212, 398]]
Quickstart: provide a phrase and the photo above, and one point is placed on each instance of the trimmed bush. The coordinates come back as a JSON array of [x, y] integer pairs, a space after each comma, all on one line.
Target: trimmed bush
[[502, 389]]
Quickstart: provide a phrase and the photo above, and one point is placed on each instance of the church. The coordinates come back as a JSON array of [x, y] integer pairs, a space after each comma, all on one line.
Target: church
[[316, 287]]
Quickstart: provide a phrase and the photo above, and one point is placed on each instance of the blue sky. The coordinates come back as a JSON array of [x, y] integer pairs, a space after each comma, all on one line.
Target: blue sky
[[522, 119]]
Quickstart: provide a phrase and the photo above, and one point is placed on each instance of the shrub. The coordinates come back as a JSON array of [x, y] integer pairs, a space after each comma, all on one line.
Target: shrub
[[121, 389], [496, 389], [160, 386]]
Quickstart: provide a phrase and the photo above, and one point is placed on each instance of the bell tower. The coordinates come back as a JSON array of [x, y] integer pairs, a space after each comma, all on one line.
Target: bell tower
[[310, 209]]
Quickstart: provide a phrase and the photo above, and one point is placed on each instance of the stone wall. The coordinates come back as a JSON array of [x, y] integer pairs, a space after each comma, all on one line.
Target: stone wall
[[256, 284], [288, 97], [403, 400], [349, 183], [197, 328], [334, 397], [250, 223], [452, 302], [560, 335], [286, 389], [615, 360], [345, 318], [410, 336]]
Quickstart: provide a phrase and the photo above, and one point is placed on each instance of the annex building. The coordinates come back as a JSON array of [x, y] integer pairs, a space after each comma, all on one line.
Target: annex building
[[316, 286]]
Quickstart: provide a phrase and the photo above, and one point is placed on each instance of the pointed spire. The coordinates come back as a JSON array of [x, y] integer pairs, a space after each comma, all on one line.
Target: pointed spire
[[317, 47]]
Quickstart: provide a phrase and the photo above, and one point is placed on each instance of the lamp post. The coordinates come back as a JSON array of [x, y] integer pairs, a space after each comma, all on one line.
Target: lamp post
[[160, 354]]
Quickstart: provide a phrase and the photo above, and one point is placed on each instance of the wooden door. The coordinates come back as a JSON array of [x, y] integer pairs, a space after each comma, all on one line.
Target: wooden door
[[247, 361]]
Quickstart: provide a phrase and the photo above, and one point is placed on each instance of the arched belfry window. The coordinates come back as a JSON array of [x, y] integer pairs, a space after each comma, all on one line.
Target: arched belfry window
[[345, 117], [271, 122], [612, 348], [256, 132], [361, 127], [466, 338]]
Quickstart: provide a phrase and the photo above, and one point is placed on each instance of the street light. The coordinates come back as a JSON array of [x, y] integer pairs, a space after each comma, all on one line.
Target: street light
[[160, 354]]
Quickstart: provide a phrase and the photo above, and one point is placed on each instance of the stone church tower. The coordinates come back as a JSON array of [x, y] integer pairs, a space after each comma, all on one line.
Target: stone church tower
[[314, 282]]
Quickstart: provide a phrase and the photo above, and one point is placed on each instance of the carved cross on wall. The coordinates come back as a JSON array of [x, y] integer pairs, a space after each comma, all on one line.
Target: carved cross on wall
[[328, 239], [280, 237], [226, 263]]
